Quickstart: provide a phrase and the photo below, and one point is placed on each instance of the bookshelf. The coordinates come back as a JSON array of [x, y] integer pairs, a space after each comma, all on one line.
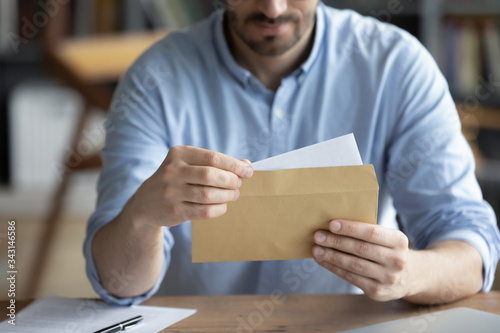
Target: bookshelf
[[429, 20], [464, 38], [25, 21], [467, 48]]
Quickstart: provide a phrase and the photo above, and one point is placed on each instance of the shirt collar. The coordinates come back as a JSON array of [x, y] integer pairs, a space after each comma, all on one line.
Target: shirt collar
[[244, 76], [319, 34]]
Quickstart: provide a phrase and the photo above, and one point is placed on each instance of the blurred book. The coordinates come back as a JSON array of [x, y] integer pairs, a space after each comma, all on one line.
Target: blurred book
[[84, 21], [450, 56], [176, 14], [8, 24], [107, 13], [134, 16], [471, 56], [471, 7], [491, 42], [469, 61]]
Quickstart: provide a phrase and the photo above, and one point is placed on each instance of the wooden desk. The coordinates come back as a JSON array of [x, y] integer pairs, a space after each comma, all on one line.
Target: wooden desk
[[295, 313]]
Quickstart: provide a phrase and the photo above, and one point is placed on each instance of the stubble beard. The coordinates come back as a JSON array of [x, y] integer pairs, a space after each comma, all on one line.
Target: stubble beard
[[270, 46]]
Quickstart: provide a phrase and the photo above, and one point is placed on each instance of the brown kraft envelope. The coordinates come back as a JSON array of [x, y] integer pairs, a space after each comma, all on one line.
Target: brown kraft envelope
[[278, 212]]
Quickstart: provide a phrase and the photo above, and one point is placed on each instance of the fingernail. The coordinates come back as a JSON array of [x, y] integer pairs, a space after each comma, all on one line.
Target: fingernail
[[320, 237], [335, 226], [319, 251], [237, 195], [239, 182], [248, 172]]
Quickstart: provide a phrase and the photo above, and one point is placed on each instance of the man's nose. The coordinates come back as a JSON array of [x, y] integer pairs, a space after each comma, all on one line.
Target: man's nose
[[273, 8]]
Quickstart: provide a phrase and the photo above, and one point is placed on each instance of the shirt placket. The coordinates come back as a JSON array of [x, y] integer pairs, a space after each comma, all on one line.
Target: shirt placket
[[269, 277], [280, 118]]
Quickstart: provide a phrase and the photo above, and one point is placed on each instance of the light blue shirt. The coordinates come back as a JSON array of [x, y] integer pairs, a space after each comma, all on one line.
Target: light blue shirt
[[362, 76]]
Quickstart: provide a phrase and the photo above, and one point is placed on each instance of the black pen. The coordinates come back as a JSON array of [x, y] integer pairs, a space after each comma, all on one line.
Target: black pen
[[121, 326]]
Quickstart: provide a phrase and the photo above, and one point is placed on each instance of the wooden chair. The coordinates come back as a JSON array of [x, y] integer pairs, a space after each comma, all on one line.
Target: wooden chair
[[88, 65]]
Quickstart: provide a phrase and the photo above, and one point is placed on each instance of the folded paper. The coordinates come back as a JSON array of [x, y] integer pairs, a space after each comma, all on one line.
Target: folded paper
[[278, 212], [340, 151]]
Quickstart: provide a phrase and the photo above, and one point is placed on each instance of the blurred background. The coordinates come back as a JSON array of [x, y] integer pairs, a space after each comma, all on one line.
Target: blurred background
[[60, 61]]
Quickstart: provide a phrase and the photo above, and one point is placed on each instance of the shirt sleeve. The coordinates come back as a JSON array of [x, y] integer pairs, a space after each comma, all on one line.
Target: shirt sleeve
[[430, 166], [136, 145]]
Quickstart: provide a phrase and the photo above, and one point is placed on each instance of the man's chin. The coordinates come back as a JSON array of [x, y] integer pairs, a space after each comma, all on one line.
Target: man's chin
[[270, 47]]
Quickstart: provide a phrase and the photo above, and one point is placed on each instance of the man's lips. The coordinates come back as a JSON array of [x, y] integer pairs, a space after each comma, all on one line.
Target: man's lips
[[268, 29]]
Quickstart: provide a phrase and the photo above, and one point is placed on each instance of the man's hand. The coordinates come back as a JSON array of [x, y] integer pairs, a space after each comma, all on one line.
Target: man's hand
[[371, 257], [191, 183]]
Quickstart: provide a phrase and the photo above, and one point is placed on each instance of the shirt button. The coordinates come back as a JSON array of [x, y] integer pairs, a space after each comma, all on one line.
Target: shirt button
[[279, 113]]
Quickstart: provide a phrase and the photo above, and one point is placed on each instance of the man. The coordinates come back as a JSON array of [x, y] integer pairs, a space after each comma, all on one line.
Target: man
[[262, 78]]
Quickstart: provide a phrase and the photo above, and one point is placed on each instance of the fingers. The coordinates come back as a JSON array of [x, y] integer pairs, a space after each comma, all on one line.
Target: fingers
[[204, 157], [198, 183], [203, 212], [208, 195], [371, 288], [210, 176], [355, 279], [371, 257], [350, 263], [378, 283], [370, 233], [350, 245]]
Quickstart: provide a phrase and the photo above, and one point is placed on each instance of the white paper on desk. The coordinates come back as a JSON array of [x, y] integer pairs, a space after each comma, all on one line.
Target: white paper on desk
[[56, 314], [341, 151]]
